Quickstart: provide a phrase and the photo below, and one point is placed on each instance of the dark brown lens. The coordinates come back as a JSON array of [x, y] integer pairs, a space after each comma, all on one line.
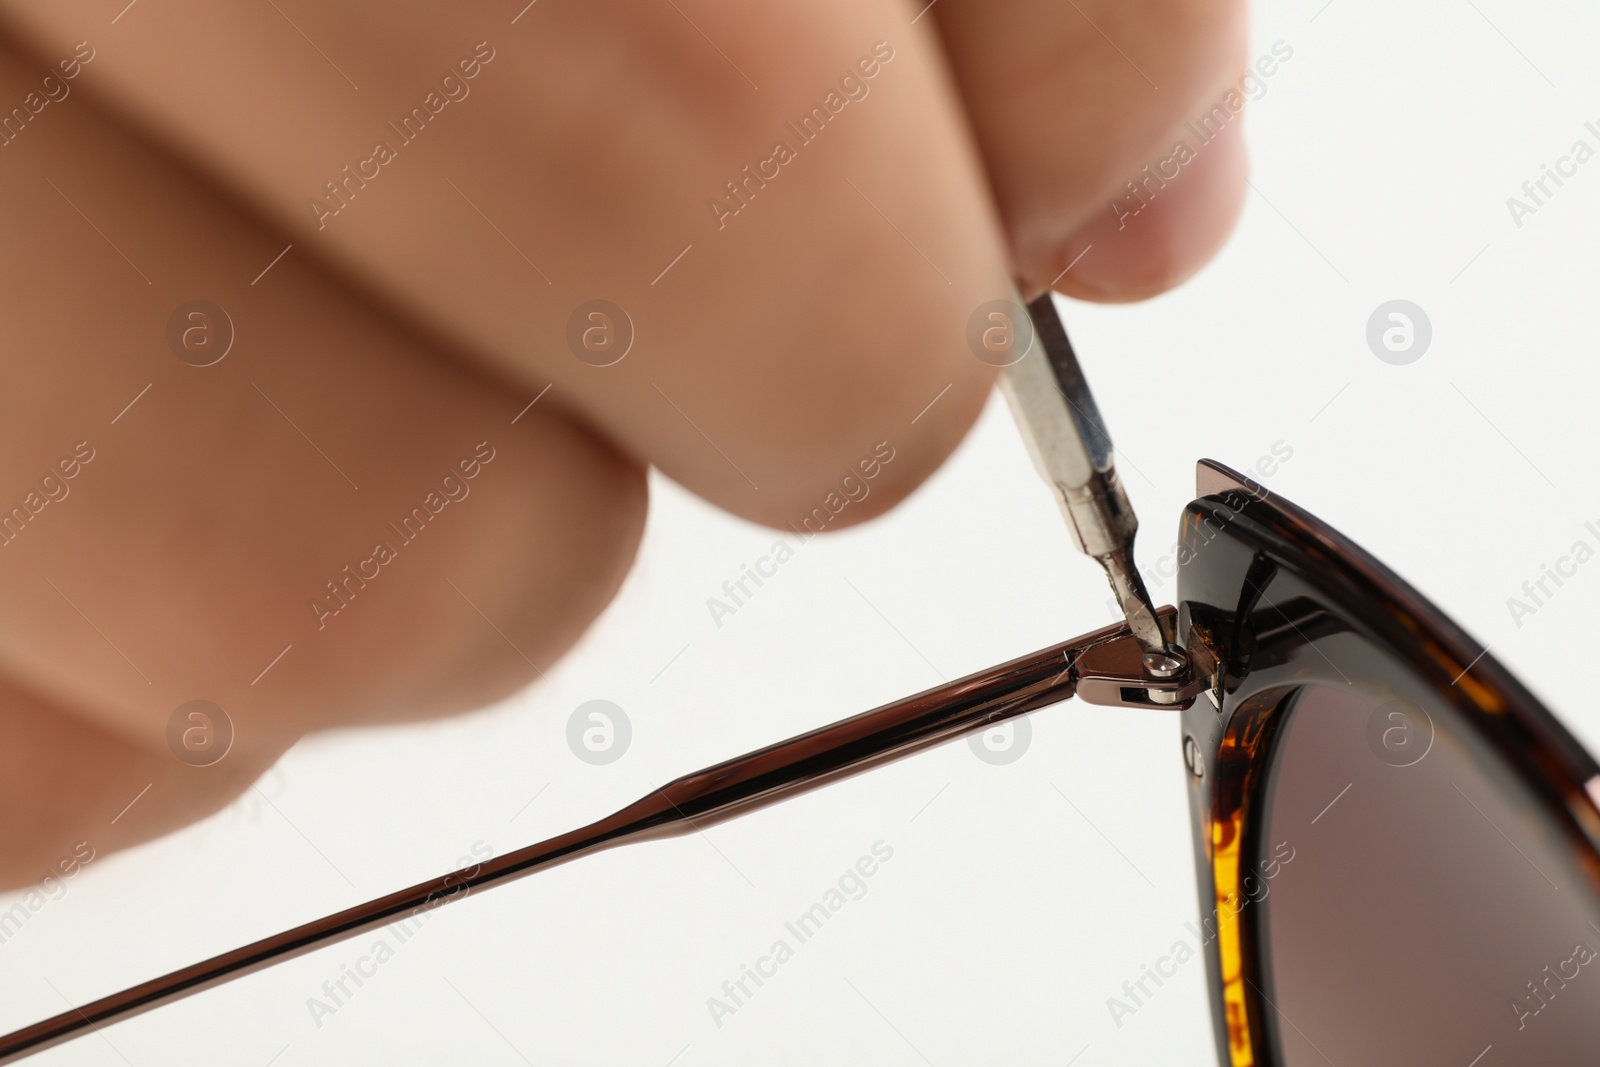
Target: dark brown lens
[[1423, 906]]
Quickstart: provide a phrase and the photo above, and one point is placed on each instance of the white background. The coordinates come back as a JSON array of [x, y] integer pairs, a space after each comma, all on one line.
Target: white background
[[1019, 897]]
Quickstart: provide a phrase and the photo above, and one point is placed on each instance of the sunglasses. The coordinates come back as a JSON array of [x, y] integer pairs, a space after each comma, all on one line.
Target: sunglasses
[[1397, 846]]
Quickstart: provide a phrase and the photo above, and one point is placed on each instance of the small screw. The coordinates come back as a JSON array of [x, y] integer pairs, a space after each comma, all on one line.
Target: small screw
[[1163, 664], [1192, 759]]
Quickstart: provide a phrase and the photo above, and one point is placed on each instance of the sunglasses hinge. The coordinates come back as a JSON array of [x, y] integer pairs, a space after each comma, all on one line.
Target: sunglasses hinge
[[1119, 672]]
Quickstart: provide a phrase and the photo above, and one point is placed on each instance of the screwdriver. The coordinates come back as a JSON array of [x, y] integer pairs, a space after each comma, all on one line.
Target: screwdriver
[[1072, 451]]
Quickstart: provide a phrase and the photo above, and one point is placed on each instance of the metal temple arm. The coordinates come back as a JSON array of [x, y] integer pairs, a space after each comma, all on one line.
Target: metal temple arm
[[1103, 667]]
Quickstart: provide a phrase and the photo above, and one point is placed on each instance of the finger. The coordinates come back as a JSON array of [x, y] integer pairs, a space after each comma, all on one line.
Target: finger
[[197, 516], [782, 326], [1111, 133], [89, 790]]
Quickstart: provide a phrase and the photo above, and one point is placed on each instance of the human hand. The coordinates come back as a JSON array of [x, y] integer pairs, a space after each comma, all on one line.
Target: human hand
[[779, 338]]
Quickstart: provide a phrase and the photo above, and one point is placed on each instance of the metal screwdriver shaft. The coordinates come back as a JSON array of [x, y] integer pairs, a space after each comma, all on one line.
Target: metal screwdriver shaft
[[1072, 451]]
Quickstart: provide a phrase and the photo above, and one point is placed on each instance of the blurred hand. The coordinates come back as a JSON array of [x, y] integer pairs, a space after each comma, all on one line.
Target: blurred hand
[[320, 497]]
